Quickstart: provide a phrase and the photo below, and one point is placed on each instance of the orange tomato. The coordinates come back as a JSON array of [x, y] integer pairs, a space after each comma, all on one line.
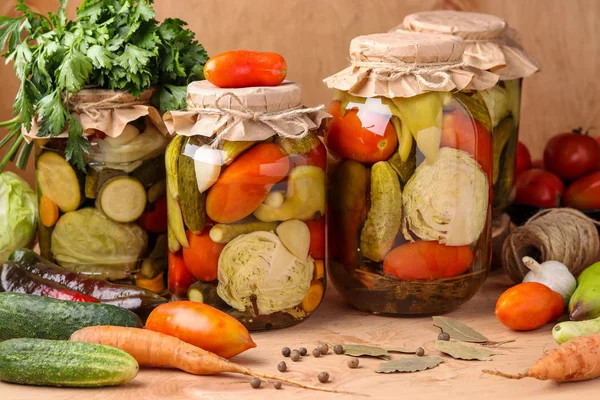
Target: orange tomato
[[179, 277], [427, 260], [243, 68], [201, 325], [462, 132], [528, 306], [362, 136], [317, 238], [202, 257]]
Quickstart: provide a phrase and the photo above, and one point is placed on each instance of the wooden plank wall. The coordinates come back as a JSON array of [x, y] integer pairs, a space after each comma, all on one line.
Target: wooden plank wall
[[313, 35]]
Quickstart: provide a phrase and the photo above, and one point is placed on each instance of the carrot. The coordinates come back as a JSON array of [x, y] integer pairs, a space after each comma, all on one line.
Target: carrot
[[246, 183], [155, 349], [576, 360], [48, 212], [313, 297]]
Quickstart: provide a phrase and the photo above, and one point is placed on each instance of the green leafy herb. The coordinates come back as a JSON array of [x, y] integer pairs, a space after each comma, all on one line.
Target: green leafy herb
[[112, 44], [409, 364], [460, 351], [458, 330]]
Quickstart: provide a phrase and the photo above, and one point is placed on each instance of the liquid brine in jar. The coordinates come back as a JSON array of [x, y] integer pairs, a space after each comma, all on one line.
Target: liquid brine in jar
[[246, 201], [489, 45], [107, 220], [410, 179]]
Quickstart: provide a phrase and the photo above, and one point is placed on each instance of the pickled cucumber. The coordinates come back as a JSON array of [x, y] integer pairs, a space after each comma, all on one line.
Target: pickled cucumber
[[193, 203], [224, 233], [233, 149], [122, 199], [151, 171], [302, 146], [171, 164], [94, 180], [473, 104], [385, 216], [404, 169], [502, 135]]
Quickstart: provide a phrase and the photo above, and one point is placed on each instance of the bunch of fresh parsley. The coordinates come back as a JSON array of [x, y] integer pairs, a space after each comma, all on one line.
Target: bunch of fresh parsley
[[113, 44]]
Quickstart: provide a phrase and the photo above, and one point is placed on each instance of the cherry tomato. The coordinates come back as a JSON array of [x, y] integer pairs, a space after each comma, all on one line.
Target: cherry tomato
[[317, 238], [462, 132], [155, 219], [243, 68], [202, 257], [572, 155], [179, 277], [523, 158], [361, 136], [539, 188], [584, 193]]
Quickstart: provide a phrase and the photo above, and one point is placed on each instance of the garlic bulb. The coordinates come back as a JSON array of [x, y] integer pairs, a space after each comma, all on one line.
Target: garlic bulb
[[553, 274]]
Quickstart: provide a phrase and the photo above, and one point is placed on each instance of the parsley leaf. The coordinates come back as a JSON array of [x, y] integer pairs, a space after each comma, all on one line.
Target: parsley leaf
[[171, 97], [77, 144], [100, 57], [134, 58], [74, 71], [52, 114]]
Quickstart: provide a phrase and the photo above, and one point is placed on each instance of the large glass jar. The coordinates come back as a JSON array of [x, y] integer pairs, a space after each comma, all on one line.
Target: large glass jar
[[490, 45], [246, 202], [108, 220], [409, 203]]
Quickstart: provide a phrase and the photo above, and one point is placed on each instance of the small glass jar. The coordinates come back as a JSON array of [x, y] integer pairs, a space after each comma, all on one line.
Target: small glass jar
[[246, 201], [108, 221], [410, 196], [489, 46]]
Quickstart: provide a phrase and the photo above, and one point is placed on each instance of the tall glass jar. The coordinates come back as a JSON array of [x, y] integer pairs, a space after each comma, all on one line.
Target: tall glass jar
[[410, 195], [246, 203], [490, 45], [108, 220]]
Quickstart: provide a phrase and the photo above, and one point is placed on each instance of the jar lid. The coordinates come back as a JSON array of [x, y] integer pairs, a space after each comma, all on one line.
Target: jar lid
[[243, 114], [489, 43], [406, 64]]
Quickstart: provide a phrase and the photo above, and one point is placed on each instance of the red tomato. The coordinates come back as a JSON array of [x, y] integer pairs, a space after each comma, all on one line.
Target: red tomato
[[179, 277], [584, 193], [572, 155], [155, 220], [523, 158], [539, 188], [427, 260], [361, 136], [202, 257], [317, 238], [317, 157], [460, 131]]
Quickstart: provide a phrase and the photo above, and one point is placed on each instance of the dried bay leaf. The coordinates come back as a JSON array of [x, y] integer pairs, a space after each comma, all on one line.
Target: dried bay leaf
[[409, 364], [462, 352], [402, 350], [358, 350], [458, 330]]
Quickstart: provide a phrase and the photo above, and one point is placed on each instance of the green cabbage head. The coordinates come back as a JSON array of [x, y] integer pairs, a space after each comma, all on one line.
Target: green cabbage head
[[257, 269], [18, 214]]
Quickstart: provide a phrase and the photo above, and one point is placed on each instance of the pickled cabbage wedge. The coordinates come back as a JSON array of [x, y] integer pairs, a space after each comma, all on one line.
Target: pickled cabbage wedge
[[259, 275]]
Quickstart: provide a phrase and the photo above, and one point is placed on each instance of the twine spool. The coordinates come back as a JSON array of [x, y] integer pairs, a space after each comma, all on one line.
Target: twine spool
[[560, 234]]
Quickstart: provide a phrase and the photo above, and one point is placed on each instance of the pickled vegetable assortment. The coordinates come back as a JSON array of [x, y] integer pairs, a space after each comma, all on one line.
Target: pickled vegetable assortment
[[490, 46], [109, 222], [246, 209], [411, 175]]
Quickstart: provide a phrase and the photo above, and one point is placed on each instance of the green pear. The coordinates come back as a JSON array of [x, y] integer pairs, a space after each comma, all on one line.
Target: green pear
[[585, 302]]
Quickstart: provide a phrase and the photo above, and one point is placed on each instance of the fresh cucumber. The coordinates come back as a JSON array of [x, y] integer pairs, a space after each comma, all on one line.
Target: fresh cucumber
[[29, 316], [122, 199], [61, 363], [58, 181]]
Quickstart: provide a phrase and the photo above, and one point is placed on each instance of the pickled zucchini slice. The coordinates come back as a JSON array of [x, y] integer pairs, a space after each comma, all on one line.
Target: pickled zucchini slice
[[122, 199], [58, 181]]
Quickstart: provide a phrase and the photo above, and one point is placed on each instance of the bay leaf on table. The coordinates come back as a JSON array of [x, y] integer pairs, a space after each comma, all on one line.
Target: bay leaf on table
[[358, 350], [458, 330], [463, 352], [409, 364], [402, 350]]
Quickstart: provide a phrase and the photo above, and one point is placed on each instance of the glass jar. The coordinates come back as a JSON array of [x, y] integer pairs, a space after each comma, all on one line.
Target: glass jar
[[410, 197], [490, 45], [108, 221], [247, 204]]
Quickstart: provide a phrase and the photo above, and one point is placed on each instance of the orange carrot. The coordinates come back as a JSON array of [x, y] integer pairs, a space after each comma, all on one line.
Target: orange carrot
[[576, 360], [48, 212], [155, 349]]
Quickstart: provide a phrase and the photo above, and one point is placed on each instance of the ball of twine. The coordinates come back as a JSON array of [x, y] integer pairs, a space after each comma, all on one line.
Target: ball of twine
[[560, 234]]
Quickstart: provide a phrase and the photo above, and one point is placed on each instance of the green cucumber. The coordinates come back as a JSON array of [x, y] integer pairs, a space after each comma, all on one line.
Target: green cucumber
[[193, 203], [30, 316], [42, 362]]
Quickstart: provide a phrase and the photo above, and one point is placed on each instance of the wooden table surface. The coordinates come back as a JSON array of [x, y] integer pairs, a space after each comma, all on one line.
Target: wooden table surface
[[336, 322]]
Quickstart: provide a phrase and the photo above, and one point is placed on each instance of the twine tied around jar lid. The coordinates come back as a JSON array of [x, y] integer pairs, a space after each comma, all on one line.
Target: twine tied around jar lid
[[92, 108], [561, 234], [291, 115]]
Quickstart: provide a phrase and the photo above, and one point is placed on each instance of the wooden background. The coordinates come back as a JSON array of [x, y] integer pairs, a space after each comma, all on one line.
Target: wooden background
[[313, 36]]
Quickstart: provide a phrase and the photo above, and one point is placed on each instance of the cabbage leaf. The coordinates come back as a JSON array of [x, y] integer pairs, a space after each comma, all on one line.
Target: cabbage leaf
[[18, 214]]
